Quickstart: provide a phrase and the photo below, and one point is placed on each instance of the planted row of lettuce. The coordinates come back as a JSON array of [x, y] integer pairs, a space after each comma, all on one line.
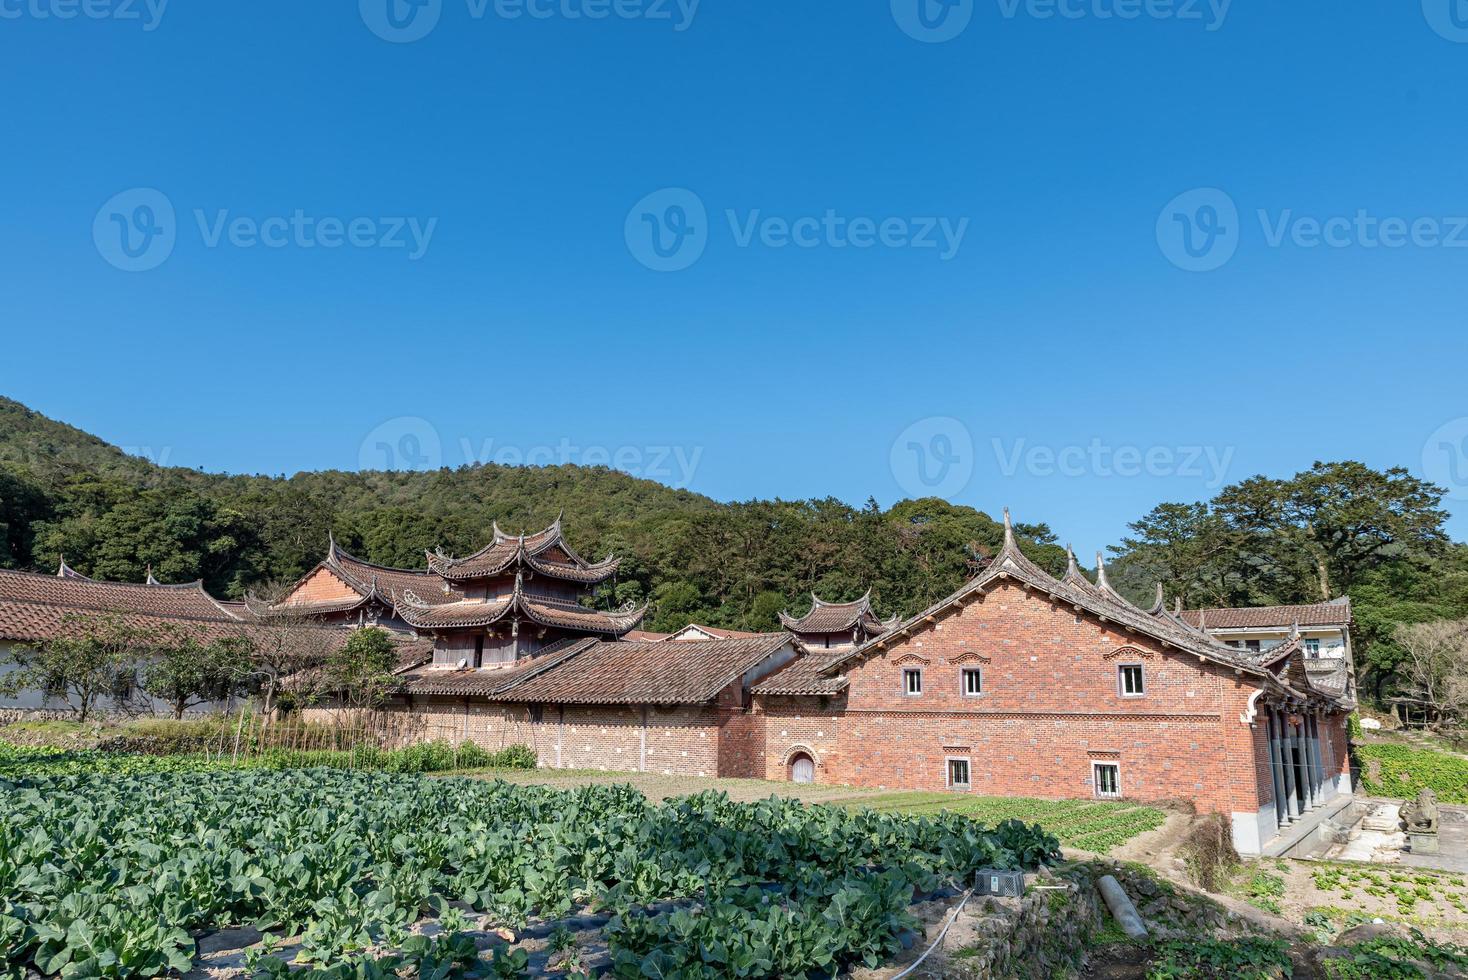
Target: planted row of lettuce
[[106, 875]]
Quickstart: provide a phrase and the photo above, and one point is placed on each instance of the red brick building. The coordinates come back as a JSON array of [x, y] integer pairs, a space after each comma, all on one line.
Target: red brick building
[[1021, 684]]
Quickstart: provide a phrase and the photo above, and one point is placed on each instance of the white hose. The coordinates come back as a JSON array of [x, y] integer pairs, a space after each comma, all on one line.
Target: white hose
[[952, 917]]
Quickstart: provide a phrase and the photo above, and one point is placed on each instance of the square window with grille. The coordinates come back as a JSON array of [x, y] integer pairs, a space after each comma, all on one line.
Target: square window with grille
[[1106, 776], [1312, 648], [1130, 680], [912, 682], [958, 775], [973, 682]]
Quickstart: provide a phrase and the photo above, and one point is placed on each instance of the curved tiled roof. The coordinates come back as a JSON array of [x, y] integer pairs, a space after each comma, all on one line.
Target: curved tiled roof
[[77, 592], [507, 551], [1336, 612], [544, 610], [838, 617], [593, 671], [392, 582]]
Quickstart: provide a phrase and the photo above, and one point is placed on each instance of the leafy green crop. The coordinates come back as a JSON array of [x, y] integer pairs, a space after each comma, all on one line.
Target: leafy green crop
[[106, 875], [21, 761]]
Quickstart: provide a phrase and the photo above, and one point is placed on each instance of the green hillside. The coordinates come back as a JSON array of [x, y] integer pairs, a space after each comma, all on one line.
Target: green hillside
[[64, 492]]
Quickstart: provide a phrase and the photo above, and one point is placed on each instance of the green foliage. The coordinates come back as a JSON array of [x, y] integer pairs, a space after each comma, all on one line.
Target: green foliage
[[107, 875], [92, 657], [361, 670], [187, 673], [731, 565], [1394, 957], [1402, 771], [17, 762], [1249, 958], [1091, 825], [1334, 529]]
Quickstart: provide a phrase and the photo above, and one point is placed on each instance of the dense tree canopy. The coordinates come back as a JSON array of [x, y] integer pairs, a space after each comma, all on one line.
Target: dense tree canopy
[[1334, 529]]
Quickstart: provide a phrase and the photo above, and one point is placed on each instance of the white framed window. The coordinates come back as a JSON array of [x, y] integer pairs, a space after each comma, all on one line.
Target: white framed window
[[912, 681], [1131, 681], [1312, 648], [958, 773], [973, 682], [1106, 779]]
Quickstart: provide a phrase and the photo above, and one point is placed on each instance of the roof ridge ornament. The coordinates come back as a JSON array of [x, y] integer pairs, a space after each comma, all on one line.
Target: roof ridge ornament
[[1072, 567], [1102, 581], [1160, 605], [150, 580]]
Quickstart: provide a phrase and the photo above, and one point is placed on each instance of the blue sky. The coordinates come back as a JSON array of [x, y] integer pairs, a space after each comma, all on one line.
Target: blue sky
[[445, 244]]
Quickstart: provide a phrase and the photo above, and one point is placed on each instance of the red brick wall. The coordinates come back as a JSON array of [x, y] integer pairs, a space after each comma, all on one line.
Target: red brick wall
[[680, 740], [1050, 707]]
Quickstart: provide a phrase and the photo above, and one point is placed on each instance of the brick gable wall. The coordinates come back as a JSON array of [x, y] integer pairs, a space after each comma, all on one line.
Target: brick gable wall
[[1050, 707]]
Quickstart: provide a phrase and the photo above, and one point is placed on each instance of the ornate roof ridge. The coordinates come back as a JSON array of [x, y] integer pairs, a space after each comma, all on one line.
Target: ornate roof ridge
[[66, 571], [1010, 563]]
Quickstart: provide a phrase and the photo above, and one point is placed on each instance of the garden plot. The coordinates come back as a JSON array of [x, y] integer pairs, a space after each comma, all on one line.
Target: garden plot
[[128, 875]]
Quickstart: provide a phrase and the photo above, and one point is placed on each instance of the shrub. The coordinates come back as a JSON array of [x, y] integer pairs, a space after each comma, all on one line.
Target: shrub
[[1209, 852], [1402, 771]]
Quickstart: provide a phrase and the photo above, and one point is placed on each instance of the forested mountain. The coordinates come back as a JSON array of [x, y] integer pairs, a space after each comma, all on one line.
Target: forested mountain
[[63, 492], [1336, 528]]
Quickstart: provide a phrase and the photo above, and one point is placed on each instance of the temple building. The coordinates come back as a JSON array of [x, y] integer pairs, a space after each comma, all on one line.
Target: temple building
[[513, 598], [1018, 684], [1022, 684], [505, 602], [837, 625]]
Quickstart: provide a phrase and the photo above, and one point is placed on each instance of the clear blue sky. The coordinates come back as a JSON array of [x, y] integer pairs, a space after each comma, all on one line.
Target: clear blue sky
[[1064, 319]]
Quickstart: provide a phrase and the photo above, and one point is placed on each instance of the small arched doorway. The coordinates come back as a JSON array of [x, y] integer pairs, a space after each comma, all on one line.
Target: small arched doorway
[[802, 768]]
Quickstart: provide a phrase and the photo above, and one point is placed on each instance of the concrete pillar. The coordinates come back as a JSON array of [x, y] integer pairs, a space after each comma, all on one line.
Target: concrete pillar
[[1292, 799], [1276, 770], [1307, 790]]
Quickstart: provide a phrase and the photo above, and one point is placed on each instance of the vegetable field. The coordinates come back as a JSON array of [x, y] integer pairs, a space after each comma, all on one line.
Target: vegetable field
[[17, 762], [116, 875], [1091, 825]]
